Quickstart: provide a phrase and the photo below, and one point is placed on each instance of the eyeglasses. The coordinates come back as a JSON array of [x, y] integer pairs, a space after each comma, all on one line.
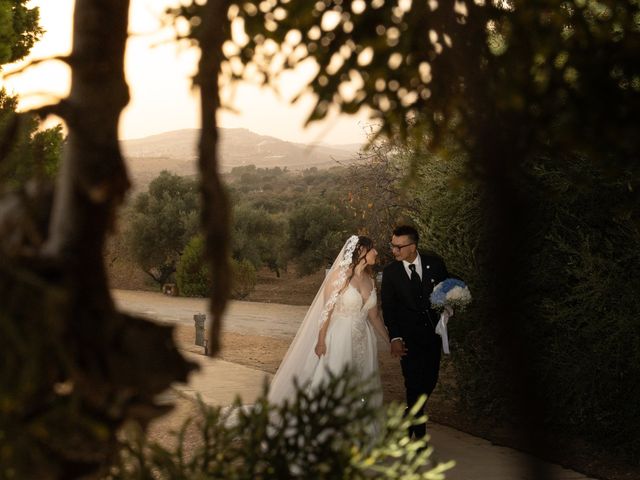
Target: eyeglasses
[[400, 247]]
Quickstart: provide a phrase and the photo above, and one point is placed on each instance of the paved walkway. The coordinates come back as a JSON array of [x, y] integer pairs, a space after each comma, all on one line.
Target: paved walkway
[[218, 382]]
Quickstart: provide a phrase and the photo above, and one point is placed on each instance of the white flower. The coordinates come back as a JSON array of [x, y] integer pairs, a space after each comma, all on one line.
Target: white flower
[[459, 294]]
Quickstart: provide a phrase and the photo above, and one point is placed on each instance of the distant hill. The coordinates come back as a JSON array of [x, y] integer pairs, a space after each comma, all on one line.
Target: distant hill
[[176, 151]]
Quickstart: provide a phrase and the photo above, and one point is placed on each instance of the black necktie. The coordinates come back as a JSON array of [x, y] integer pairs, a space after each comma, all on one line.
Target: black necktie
[[415, 280]]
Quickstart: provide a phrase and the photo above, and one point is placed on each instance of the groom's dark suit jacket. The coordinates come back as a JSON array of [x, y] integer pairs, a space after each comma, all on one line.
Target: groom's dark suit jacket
[[406, 315]]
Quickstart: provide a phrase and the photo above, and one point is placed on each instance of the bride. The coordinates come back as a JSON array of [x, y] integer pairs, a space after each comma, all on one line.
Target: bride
[[338, 330]]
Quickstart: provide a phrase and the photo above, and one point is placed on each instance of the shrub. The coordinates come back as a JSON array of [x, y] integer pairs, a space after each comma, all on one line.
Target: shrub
[[192, 273], [323, 436], [580, 303], [244, 278]]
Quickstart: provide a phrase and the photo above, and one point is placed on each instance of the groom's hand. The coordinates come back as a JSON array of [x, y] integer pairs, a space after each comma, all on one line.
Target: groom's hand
[[398, 348]]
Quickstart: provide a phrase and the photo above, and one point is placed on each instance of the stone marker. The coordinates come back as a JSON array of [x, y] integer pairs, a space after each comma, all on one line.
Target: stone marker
[[199, 319]]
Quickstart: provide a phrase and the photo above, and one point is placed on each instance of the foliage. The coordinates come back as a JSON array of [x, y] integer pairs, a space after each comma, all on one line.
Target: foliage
[[277, 442], [19, 30], [33, 153], [575, 64], [253, 179], [539, 76], [304, 218], [317, 231], [162, 220], [192, 275], [580, 298], [244, 278], [259, 237], [378, 193], [586, 295], [278, 190]]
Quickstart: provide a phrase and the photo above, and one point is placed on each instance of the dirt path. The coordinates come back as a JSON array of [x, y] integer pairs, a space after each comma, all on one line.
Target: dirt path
[[254, 334], [269, 319]]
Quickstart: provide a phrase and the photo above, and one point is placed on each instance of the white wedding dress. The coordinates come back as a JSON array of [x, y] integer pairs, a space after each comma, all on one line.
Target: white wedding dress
[[350, 339]]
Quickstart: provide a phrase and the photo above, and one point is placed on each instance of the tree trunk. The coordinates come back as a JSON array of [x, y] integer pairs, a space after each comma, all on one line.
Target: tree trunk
[[498, 147], [115, 365], [93, 178]]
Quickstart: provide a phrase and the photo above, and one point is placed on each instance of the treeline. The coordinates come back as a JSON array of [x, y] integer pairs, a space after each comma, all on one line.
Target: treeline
[[279, 217]]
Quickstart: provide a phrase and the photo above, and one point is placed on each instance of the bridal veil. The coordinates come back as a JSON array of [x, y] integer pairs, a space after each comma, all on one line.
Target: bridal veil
[[300, 360]]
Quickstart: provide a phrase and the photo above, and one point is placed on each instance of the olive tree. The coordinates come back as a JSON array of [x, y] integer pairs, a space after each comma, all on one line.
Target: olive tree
[[162, 221]]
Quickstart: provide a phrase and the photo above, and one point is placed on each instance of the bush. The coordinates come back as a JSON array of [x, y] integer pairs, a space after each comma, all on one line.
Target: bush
[[580, 300], [326, 436], [192, 273], [585, 298], [244, 278]]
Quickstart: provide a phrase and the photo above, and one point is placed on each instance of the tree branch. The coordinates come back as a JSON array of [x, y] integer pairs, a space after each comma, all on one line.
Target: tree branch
[[150, 273], [215, 209], [93, 178], [61, 58], [61, 109]]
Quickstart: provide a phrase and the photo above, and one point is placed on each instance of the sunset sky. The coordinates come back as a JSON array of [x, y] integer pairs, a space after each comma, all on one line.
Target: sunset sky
[[158, 73]]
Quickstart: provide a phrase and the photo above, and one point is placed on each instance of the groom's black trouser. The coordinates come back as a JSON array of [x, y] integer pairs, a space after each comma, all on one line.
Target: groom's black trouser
[[420, 367]]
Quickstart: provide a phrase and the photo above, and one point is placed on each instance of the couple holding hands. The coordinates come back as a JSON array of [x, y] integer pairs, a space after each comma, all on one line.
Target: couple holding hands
[[340, 327]]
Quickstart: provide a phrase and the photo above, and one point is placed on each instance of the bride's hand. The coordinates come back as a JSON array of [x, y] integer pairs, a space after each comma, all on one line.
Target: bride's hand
[[321, 349]]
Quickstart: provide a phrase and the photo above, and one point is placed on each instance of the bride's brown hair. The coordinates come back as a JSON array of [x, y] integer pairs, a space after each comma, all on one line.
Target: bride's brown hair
[[365, 244]]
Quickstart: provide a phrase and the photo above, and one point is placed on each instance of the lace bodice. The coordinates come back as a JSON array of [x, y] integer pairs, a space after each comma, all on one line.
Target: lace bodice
[[351, 303]]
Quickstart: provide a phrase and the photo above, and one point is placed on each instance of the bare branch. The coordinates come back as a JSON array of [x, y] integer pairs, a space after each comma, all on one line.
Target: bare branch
[[60, 109], [61, 58]]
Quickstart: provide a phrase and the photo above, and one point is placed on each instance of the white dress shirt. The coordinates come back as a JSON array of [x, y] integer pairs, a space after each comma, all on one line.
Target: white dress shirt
[[417, 262]]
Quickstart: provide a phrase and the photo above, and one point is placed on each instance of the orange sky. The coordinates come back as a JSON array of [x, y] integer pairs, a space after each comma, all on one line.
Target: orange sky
[[158, 74]]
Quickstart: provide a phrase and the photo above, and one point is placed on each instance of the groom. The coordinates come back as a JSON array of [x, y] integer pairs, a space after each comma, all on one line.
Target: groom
[[406, 286]]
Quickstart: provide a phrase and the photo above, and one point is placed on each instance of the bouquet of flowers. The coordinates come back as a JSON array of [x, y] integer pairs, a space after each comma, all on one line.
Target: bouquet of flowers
[[452, 293], [447, 295]]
